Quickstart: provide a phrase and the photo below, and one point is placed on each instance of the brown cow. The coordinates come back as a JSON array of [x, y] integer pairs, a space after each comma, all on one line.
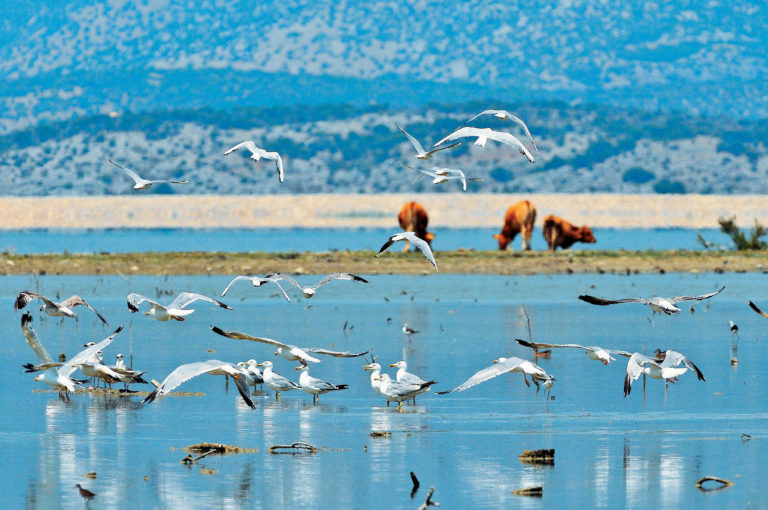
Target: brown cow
[[518, 218], [559, 232], [414, 218]]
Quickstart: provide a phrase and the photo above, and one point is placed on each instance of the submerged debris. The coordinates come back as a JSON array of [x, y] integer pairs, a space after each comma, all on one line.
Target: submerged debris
[[724, 484], [544, 456], [535, 492], [380, 433], [416, 484], [297, 447], [428, 502], [221, 449]]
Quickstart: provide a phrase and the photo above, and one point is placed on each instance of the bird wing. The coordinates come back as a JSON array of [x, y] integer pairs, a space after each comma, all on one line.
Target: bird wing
[[416, 145], [696, 298], [133, 175], [248, 144], [75, 300], [24, 298], [499, 136], [279, 163], [184, 373], [418, 242], [487, 373], [86, 354], [538, 345], [634, 369], [432, 151], [340, 276], [392, 240], [134, 300], [33, 340], [603, 302], [185, 298], [236, 335], [280, 276], [674, 358], [338, 354], [504, 114], [755, 308], [252, 279]]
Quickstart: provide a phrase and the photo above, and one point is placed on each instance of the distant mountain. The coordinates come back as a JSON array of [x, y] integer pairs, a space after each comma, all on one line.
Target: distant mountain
[[62, 60], [342, 148]]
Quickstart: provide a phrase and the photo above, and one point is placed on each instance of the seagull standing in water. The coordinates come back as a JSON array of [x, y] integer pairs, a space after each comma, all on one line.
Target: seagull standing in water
[[657, 304], [315, 386], [310, 291], [140, 182], [275, 381], [502, 366], [420, 152], [485, 134], [405, 377], [63, 309], [393, 391], [594, 352], [257, 153], [418, 242], [184, 373], [504, 115], [668, 369], [175, 310]]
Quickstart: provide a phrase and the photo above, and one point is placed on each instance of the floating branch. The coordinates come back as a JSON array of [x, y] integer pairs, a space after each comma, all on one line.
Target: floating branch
[[380, 433], [428, 502], [545, 456], [535, 492], [298, 447], [221, 449], [724, 484]]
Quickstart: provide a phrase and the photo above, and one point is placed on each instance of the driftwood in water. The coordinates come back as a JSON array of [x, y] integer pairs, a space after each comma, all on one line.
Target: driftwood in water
[[428, 502], [535, 492], [724, 484], [545, 456], [221, 449], [380, 433], [297, 447]]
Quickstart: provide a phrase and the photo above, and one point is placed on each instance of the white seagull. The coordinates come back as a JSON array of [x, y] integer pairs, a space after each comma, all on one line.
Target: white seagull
[[441, 175], [667, 369], [184, 373], [141, 183], [275, 381], [252, 373], [258, 153], [484, 134], [504, 115], [418, 242], [288, 351], [312, 289], [420, 152], [405, 377], [257, 281], [63, 309], [502, 366], [393, 391], [657, 304], [594, 352], [172, 311], [315, 386], [59, 377]]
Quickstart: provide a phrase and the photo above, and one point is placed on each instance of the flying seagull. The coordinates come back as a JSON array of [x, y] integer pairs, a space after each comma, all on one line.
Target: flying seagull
[[441, 175], [312, 289], [172, 311], [657, 304], [668, 369], [257, 281], [63, 309], [502, 366], [418, 242], [315, 386], [420, 152], [184, 373], [288, 351], [484, 134], [258, 153], [593, 351], [141, 183], [504, 115]]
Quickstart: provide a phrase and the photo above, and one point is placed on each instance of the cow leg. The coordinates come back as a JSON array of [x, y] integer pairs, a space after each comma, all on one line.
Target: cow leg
[[407, 246], [526, 239]]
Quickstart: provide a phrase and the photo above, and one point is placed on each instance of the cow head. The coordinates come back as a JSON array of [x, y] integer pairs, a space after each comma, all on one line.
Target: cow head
[[586, 235], [503, 241]]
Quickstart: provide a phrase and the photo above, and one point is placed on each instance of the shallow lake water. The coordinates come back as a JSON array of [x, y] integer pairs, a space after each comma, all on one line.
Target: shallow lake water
[[645, 450]]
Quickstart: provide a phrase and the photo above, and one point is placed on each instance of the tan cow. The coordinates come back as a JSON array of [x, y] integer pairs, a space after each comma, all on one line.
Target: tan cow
[[559, 232], [519, 218], [414, 218]]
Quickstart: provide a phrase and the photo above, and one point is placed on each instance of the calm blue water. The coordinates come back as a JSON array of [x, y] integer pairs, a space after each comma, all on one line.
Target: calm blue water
[[643, 451], [319, 240]]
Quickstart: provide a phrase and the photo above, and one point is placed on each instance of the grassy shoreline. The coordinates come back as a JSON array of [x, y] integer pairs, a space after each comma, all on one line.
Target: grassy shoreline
[[364, 262]]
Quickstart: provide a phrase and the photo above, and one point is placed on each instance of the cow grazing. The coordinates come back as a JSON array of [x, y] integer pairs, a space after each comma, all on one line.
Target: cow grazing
[[414, 218], [559, 232], [518, 218]]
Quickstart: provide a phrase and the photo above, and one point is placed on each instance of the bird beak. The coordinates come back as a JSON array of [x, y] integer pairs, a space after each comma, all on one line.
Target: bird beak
[[495, 361], [259, 364], [146, 313], [377, 378], [276, 353], [367, 367], [298, 368], [393, 364], [37, 378]]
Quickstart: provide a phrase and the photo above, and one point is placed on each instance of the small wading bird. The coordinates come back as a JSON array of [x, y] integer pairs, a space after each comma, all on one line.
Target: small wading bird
[[657, 304], [485, 134], [59, 377], [257, 281], [312, 289], [275, 381], [420, 152], [141, 183], [172, 311], [85, 493], [63, 309], [593, 351], [502, 366], [393, 391], [288, 351], [258, 153], [184, 373], [504, 115], [666, 369], [315, 386], [409, 331], [418, 242]]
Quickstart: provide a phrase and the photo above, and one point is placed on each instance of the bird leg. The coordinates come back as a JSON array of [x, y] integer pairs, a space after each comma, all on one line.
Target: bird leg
[[400, 407], [526, 380], [277, 395], [315, 398], [178, 318]]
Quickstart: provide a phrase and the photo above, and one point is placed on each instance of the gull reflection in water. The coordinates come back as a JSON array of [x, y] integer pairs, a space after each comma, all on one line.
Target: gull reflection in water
[[656, 478]]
